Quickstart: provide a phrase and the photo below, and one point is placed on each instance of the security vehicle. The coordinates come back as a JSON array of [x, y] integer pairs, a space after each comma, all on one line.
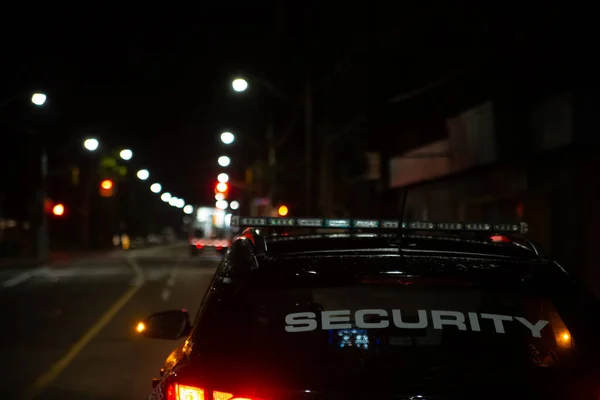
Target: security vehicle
[[383, 310]]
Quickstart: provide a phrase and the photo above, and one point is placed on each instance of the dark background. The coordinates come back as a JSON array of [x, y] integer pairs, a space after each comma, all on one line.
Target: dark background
[[157, 80]]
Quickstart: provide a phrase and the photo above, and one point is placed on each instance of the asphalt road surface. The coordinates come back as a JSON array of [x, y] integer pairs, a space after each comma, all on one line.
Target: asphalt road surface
[[68, 331]]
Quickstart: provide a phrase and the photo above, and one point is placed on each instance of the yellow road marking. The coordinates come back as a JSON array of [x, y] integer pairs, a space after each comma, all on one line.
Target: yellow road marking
[[47, 378]]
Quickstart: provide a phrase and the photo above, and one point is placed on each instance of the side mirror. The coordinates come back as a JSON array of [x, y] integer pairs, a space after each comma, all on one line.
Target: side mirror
[[170, 325]]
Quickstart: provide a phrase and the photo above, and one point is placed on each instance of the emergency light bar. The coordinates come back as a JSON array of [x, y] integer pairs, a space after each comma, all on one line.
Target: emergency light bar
[[325, 223]]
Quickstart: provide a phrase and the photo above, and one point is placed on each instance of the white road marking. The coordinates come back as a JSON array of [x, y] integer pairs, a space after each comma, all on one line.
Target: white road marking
[[166, 291], [22, 277], [139, 279]]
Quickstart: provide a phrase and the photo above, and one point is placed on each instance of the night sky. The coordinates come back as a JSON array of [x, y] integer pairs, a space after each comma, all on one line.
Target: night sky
[[157, 80]]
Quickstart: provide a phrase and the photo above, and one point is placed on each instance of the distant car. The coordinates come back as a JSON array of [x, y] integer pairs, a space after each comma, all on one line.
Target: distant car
[[392, 311], [199, 241]]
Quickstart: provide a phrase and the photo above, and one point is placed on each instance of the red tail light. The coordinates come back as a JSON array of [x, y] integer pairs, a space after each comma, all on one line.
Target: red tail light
[[198, 246], [182, 392], [500, 239]]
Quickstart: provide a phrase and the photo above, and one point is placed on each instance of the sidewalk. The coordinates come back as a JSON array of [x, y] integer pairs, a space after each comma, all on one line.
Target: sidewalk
[[62, 259], [56, 259]]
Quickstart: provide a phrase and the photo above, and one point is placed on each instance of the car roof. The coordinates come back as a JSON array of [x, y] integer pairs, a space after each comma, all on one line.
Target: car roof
[[277, 246]]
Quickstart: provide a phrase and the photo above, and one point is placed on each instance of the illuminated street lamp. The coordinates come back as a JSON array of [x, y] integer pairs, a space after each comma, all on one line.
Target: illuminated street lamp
[[223, 177], [91, 144], [219, 196], [188, 209], [224, 161], [143, 174], [156, 188], [173, 201], [126, 154], [38, 99], [239, 84], [234, 205], [227, 137], [166, 196], [221, 204]]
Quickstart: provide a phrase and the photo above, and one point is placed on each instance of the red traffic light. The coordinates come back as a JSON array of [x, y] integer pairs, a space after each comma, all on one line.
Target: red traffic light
[[58, 210], [106, 188], [222, 187]]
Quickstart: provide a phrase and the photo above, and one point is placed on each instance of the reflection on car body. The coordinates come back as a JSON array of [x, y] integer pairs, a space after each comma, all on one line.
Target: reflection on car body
[[446, 313]]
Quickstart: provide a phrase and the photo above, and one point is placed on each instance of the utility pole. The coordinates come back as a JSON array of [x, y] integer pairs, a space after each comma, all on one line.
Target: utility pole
[[42, 240], [308, 117], [309, 145]]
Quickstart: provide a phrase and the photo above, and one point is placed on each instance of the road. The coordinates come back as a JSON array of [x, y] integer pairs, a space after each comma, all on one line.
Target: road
[[68, 331]]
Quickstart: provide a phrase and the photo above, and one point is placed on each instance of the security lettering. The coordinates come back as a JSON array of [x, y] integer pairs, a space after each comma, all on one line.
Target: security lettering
[[381, 319]]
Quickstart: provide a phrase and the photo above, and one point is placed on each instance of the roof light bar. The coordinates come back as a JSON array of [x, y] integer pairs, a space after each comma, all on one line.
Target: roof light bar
[[519, 227]]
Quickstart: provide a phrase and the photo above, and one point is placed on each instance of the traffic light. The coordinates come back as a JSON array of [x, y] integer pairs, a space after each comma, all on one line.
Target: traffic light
[[58, 210], [282, 211], [106, 188], [222, 188]]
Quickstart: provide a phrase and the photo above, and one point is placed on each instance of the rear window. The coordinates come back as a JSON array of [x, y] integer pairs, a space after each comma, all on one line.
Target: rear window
[[418, 316], [198, 233]]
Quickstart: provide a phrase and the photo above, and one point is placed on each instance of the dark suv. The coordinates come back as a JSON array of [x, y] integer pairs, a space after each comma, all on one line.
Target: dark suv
[[385, 310]]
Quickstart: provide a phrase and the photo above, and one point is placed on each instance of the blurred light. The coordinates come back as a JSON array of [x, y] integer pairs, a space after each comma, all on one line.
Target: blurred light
[[239, 85], [106, 184], [283, 211], [58, 210], [224, 161], [219, 196], [180, 203], [202, 214], [234, 205], [91, 144], [140, 327], [166, 196], [188, 209], [223, 177], [173, 201], [143, 174], [222, 187], [221, 204], [227, 137], [156, 188], [38, 99], [126, 154]]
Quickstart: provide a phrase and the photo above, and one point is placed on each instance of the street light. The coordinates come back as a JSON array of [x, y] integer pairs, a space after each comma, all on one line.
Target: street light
[[221, 204], [180, 203], [166, 196], [38, 99], [224, 161], [188, 209], [223, 177], [91, 144], [143, 174], [234, 205], [126, 154], [283, 211], [173, 201], [239, 85], [156, 188], [219, 196], [227, 137]]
